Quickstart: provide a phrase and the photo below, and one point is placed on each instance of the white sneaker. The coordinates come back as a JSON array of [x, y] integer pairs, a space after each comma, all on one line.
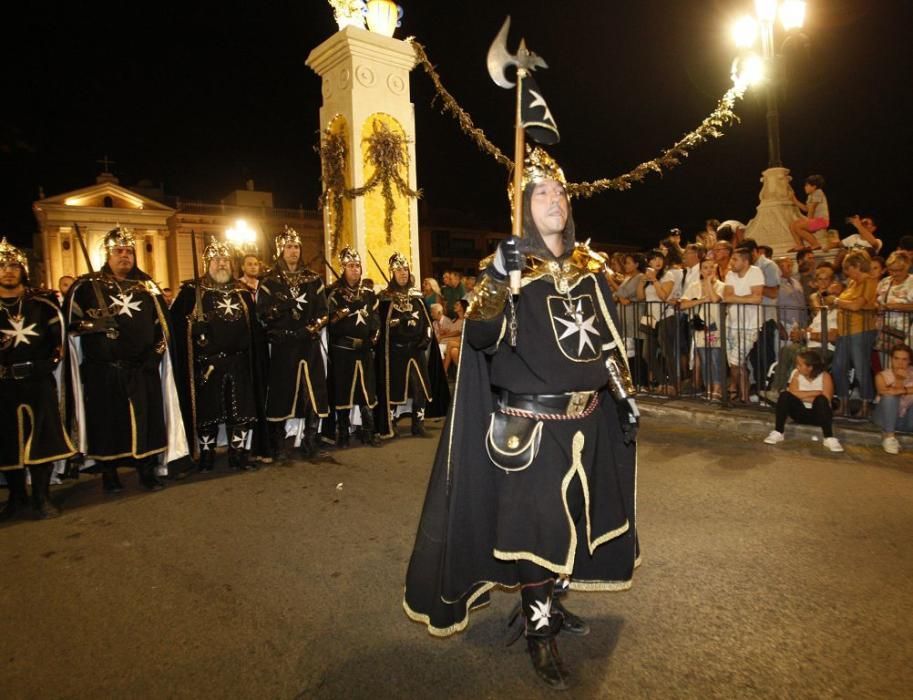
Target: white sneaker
[[891, 445], [833, 444], [774, 438]]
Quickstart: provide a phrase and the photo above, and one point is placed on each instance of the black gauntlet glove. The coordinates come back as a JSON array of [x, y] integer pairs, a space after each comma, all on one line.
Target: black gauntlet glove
[[508, 258], [629, 419]]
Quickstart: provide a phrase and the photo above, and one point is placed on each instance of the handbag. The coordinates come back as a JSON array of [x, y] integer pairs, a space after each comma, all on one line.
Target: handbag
[[512, 442]]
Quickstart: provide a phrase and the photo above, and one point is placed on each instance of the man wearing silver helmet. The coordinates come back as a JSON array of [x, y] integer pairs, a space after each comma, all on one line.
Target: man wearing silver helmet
[[533, 482], [353, 331], [126, 405], [406, 333], [216, 331], [292, 305], [32, 343]]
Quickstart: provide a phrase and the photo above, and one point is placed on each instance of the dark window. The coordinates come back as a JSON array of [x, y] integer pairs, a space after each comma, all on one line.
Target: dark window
[[108, 203]]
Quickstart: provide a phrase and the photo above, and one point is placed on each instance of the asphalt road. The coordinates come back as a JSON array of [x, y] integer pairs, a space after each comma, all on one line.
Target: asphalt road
[[767, 572]]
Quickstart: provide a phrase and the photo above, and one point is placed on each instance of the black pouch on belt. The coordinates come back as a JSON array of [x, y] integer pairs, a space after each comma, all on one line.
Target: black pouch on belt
[[513, 441]]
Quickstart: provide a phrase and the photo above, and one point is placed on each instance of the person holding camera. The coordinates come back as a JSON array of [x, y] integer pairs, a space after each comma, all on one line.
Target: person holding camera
[[660, 287]]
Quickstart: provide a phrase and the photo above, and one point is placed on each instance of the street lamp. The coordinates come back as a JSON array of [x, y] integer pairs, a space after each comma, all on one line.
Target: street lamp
[[745, 33], [757, 65], [242, 237]]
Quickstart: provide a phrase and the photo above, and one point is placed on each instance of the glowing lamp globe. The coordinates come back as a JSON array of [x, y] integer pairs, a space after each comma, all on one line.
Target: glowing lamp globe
[[383, 16]]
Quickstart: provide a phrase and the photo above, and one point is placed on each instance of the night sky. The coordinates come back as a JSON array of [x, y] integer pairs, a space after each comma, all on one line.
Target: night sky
[[201, 99]]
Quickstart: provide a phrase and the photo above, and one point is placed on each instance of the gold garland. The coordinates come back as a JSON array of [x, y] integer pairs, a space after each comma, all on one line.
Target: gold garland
[[387, 152], [710, 128], [332, 150]]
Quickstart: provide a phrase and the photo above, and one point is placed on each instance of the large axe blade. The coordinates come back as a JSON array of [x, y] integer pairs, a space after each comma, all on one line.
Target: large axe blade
[[499, 58]]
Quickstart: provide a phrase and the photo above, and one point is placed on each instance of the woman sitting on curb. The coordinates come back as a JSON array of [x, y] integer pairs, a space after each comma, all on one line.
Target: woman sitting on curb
[[895, 398], [807, 400]]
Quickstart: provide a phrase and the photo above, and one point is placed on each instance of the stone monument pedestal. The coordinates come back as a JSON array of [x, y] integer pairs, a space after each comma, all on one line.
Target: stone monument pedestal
[[776, 212]]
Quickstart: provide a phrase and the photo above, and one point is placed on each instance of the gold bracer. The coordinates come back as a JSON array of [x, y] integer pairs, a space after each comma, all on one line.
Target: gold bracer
[[488, 299]]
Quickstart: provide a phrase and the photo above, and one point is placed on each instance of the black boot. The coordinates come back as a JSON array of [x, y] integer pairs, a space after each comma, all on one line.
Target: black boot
[[278, 441], [18, 498], [207, 461], [309, 445], [547, 663], [145, 470], [418, 424], [110, 482], [238, 460], [368, 433], [343, 427], [41, 493], [570, 623]]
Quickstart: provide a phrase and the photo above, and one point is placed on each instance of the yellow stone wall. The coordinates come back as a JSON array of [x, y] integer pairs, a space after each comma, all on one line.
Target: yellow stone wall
[[339, 127]]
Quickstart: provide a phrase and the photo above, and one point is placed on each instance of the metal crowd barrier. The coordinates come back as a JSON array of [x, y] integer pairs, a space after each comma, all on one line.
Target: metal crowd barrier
[[698, 353]]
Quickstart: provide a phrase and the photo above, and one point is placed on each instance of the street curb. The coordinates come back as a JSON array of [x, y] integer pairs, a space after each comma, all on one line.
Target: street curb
[[759, 421]]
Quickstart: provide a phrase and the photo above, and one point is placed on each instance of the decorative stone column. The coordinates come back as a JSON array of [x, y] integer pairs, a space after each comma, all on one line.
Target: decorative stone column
[[775, 212], [366, 79]]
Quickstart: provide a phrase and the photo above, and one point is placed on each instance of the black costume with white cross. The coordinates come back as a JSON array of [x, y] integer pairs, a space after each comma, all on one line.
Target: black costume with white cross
[[292, 306], [217, 365], [406, 333], [354, 326], [32, 434]]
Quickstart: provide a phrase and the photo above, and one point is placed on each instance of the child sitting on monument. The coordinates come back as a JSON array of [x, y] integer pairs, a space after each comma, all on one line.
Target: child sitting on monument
[[818, 216]]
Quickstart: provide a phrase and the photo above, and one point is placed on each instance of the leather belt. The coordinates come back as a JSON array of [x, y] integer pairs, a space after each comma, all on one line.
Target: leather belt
[[573, 404], [347, 342], [17, 370]]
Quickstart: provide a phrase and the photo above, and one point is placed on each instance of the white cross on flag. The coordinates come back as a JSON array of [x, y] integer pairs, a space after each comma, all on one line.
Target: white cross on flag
[[535, 116]]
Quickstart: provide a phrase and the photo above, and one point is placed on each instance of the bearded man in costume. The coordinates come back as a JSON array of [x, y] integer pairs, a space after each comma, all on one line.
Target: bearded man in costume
[[353, 332], [126, 406], [32, 343], [292, 306], [216, 330], [533, 482]]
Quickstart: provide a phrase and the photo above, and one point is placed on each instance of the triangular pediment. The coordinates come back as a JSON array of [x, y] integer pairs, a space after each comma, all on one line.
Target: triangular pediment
[[104, 195]]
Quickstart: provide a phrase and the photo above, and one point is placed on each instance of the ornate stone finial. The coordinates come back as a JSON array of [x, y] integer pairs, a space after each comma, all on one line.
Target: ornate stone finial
[[349, 13]]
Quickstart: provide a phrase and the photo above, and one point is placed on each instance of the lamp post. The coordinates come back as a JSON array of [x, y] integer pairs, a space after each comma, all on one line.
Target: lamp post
[[775, 211], [242, 237]]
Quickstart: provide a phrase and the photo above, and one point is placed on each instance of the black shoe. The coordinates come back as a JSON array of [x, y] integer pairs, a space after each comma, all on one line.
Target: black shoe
[[12, 509], [43, 509], [207, 461], [370, 438], [147, 478], [543, 652], [110, 482], [418, 428], [570, 623], [342, 440], [238, 460]]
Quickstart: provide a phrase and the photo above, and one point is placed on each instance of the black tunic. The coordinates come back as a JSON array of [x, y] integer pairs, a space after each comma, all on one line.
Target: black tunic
[[572, 509], [287, 305], [216, 355], [31, 345], [121, 384], [353, 330]]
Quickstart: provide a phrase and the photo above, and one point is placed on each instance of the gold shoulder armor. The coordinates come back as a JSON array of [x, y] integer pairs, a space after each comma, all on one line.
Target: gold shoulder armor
[[488, 299]]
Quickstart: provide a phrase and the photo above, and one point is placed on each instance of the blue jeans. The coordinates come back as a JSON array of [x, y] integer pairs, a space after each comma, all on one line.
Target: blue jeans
[[854, 351], [886, 415], [712, 365]]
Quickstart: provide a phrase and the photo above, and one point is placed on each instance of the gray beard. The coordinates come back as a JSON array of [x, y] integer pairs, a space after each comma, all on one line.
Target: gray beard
[[221, 277]]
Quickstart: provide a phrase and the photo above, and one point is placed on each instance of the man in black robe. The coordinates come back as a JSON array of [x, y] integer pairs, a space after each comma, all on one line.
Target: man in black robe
[[32, 342], [406, 334], [126, 405], [533, 482], [292, 306], [215, 326], [353, 332]]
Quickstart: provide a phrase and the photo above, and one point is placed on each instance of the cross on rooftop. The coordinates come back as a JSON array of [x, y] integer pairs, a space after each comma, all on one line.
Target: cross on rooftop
[[106, 162]]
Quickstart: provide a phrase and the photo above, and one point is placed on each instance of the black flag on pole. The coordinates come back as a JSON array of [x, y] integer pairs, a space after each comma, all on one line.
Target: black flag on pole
[[535, 115]]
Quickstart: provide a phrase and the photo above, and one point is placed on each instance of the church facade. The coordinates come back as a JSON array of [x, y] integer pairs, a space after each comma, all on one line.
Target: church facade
[[163, 231]]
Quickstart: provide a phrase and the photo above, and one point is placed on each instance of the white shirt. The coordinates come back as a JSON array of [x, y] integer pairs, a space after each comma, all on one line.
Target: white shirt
[[806, 384], [692, 274], [744, 316]]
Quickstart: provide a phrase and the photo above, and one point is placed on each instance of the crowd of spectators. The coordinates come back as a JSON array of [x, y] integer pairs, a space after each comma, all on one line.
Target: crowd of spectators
[[827, 323]]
